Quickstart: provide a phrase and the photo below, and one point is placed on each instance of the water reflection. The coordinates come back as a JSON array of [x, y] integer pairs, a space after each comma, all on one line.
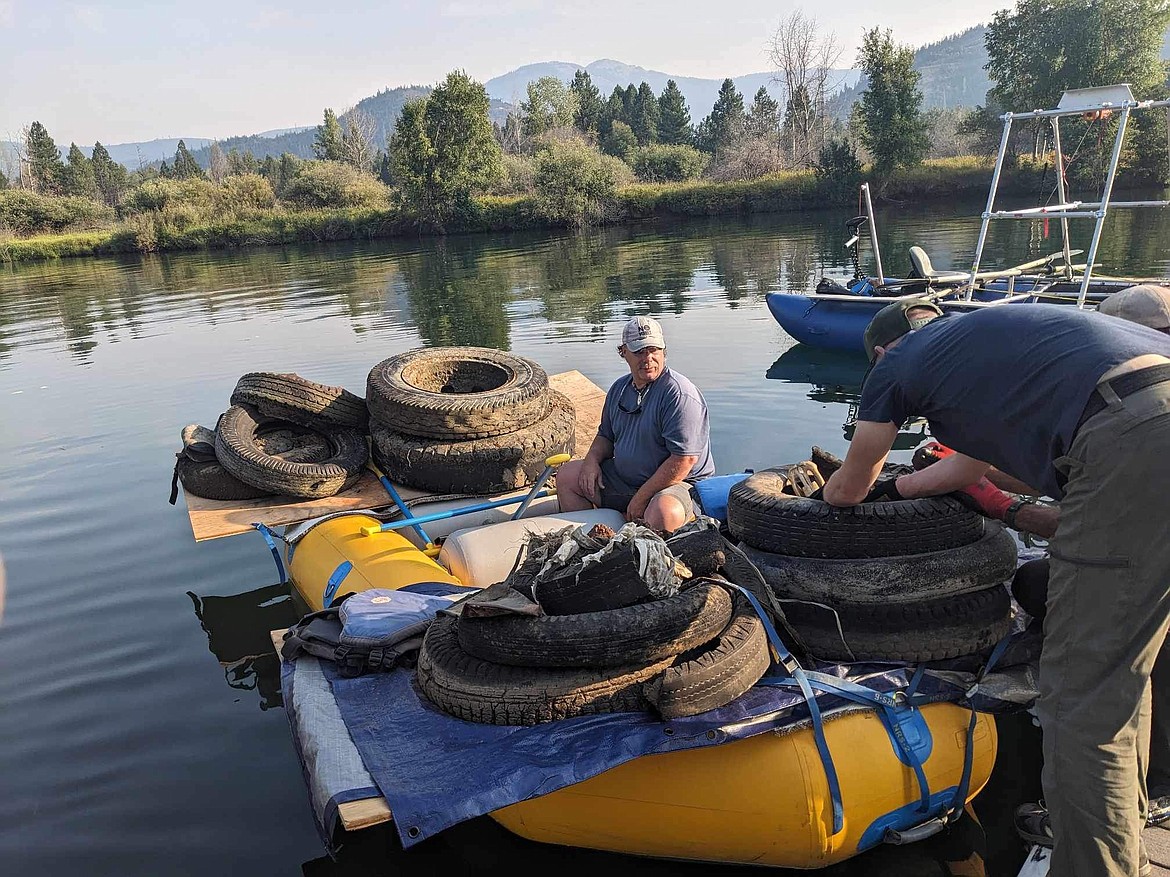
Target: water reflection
[[237, 630], [834, 377]]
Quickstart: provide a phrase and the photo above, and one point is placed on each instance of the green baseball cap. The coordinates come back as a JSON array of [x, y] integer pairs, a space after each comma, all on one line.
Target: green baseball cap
[[892, 322]]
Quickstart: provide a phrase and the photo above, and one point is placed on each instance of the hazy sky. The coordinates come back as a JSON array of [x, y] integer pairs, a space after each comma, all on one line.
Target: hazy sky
[[131, 71]]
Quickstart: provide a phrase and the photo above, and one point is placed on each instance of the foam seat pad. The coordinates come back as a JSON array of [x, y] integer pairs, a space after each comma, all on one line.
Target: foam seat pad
[[482, 556]]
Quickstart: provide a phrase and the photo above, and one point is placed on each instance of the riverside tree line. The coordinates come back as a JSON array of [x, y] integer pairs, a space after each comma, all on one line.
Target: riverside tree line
[[567, 148]]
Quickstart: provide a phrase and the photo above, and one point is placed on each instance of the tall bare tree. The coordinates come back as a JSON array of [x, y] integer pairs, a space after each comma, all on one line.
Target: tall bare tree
[[217, 167], [804, 58], [357, 139]]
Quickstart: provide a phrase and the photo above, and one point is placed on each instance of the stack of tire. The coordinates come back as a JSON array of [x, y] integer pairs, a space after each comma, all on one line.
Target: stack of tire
[[465, 420], [606, 648], [905, 580], [282, 435]]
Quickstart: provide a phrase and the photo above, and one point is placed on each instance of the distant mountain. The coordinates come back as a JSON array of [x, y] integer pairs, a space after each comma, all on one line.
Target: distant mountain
[[136, 155], [606, 74]]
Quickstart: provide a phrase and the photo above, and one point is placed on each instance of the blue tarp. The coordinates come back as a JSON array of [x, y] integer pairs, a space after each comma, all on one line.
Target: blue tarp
[[436, 771]]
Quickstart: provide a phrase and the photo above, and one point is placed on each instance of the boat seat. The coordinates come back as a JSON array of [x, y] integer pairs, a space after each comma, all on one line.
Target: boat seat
[[923, 268], [482, 556]]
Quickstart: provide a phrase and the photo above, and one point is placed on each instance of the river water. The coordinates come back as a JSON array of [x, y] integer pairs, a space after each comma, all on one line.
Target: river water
[[140, 722]]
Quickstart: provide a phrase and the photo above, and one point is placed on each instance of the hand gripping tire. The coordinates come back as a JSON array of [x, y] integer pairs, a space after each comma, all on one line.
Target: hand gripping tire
[[292, 398], [478, 466], [457, 393], [716, 673], [639, 634], [496, 694], [900, 579], [763, 517], [237, 450]]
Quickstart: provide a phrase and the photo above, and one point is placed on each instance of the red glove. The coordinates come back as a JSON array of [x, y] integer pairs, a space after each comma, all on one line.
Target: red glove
[[929, 453], [985, 498]]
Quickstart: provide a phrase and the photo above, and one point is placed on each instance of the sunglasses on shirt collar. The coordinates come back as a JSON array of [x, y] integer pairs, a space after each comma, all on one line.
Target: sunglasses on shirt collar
[[641, 394]]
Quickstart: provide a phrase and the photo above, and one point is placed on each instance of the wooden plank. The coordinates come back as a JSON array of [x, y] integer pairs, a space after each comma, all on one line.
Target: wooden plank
[[214, 519], [353, 814]]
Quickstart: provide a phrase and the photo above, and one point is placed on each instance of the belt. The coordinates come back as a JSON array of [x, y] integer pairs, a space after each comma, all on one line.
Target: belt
[[1124, 385]]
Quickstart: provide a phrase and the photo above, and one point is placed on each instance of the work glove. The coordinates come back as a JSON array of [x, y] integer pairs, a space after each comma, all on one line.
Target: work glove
[[885, 490], [929, 453], [985, 498]]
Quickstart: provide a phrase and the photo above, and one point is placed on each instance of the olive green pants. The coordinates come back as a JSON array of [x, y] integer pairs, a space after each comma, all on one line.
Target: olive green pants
[[1108, 612]]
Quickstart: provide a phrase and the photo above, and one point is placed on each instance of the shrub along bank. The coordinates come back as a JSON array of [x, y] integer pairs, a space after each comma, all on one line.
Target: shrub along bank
[[259, 224]]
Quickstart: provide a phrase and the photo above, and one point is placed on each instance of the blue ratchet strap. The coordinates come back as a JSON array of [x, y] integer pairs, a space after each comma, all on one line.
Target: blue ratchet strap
[[888, 707], [960, 799], [268, 537], [797, 675]]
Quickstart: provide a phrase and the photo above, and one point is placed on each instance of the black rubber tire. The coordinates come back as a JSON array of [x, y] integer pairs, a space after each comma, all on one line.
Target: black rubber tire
[[290, 397], [901, 579], [701, 551], [639, 634], [479, 466], [238, 451], [925, 630], [760, 515], [613, 583], [211, 481], [716, 673], [457, 393], [496, 694]]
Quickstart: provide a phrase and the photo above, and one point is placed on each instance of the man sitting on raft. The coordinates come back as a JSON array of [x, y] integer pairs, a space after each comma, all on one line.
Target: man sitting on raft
[[653, 442]]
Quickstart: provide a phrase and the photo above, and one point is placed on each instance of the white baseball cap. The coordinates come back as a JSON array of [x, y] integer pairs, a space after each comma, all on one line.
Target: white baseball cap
[[1147, 304], [642, 332]]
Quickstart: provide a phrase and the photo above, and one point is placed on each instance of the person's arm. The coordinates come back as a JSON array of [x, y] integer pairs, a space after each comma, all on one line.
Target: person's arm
[[673, 470], [953, 472], [871, 444], [589, 480], [1012, 485]]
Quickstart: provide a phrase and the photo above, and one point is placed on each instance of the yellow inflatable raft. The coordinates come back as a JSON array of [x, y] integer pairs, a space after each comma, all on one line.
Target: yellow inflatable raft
[[764, 800]]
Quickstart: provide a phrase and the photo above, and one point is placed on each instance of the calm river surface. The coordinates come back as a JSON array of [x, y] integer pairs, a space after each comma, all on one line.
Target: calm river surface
[[140, 722]]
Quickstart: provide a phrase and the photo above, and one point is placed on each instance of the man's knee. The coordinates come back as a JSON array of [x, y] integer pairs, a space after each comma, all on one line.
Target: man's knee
[[569, 496], [665, 513]]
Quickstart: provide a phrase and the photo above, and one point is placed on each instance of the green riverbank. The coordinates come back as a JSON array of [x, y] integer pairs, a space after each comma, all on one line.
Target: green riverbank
[[932, 181]]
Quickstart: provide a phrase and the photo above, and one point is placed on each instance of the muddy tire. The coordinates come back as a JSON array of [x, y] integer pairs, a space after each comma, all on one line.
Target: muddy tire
[[926, 630], [479, 466], [211, 481], [716, 673], [900, 579], [240, 452], [701, 551], [763, 517], [457, 393], [496, 694], [292, 398], [639, 634], [613, 583]]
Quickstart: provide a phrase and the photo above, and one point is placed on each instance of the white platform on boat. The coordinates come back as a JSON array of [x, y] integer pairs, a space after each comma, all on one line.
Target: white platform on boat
[[213, 519]]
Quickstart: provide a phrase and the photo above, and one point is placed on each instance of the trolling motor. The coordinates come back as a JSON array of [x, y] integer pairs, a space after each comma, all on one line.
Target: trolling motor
[[853, 244]]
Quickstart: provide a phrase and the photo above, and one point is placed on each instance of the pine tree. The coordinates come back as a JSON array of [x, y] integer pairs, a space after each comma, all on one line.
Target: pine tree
[[185, 166], [614, 110], [164, 170], [78, 177], [644, 117], [44, 160], [629, 95], [110, 177], [240, 162], [3, 181], [764, 116], [290, 166], [328, 143], [725, 123], [589, 104], [674, 118]]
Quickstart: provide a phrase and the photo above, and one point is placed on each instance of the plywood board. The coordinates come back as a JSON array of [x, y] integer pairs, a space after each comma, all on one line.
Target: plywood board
[[214, 519]]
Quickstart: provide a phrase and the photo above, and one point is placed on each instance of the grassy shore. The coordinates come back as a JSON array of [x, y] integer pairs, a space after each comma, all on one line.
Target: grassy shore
[[940, 179]]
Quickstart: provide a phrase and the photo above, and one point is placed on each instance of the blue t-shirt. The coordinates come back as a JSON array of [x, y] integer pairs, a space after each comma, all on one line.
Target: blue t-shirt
[[672, 419], [1007, 384]]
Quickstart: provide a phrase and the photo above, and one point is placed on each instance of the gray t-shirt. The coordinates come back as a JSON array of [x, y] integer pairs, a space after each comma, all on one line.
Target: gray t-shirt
[[1005, 385], [672, 419]]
